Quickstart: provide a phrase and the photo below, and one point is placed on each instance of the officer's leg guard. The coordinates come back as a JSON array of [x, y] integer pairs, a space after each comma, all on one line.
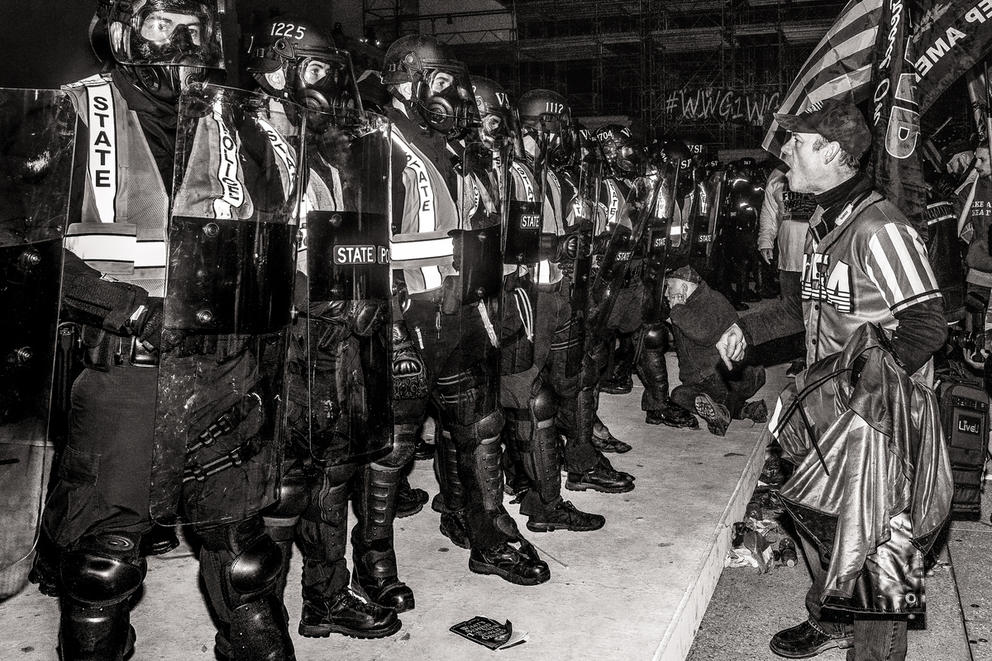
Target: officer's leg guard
[[451, 501], [97, 578], [322, 533], [282, 516], [498, 548], [240, 565], [329, 605], [651, 367], [535, 429], [479, 453], [577, 413], [618, 378], [515, 477], [372, 538]]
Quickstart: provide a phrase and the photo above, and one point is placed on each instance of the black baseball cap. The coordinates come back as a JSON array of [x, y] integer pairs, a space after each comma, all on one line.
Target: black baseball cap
[[836, 120]]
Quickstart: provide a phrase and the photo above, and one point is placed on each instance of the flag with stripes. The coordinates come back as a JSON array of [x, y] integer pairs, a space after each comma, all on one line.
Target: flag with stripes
[[839, 67]]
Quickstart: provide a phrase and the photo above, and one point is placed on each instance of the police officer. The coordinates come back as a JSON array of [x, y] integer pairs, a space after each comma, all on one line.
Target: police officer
[[545, 119], [526, 392], [292, 59], [99, 506], [642, 338], [444, 209]]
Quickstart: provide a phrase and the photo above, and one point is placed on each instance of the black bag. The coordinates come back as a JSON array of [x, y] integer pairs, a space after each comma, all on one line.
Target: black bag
[[964, 414]]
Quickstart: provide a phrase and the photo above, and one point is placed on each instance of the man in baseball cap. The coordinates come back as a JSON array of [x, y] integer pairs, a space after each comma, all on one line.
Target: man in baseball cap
[[863, 263], [824, 136]]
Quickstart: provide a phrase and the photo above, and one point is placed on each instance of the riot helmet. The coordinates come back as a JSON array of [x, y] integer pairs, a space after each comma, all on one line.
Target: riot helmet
[[165, 45], [620, 149], [498, 126], [440, 90], [546, 118], [293, 59]]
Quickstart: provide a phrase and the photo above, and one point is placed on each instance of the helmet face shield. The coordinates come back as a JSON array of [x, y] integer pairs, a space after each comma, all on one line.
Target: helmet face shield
[[166, 33], [498, 119], [326, 83], [621, 151], [168, 44], [444, 99]]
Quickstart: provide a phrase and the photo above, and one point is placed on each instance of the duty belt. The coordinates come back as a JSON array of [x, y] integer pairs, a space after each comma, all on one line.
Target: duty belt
[[118, 350]]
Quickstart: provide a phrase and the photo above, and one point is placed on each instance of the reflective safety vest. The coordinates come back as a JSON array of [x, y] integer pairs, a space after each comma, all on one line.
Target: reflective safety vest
[[548, 273], [421, 248], [324, 193], [216, 185], [613, 199], [121, 230]]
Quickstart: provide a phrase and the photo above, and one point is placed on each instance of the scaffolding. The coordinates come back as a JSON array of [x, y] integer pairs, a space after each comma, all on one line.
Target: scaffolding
[[627, 58]]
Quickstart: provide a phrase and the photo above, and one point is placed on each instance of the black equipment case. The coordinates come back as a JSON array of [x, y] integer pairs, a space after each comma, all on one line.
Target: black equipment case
[[964, 414]]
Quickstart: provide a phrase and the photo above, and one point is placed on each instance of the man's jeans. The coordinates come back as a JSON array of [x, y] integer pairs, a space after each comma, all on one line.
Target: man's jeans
[[874, 639]]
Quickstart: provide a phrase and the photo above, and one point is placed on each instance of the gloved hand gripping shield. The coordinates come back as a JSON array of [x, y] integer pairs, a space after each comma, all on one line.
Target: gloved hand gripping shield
[[36, 146], [340, 359], [231, 245]]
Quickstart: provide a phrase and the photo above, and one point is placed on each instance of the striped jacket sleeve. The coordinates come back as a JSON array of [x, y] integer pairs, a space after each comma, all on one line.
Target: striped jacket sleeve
[[896, 262]]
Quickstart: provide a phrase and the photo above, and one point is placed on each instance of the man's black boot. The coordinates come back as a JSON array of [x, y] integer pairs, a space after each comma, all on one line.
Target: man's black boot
[[349, 614], [409, 501], [601, 477], [604, 441], [564, 516], [805, 640], [672, 415], [715, 414], [159, 540], [515, 561]]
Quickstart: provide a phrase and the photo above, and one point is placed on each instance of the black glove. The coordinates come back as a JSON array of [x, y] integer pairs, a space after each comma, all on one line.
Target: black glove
[[147, 324]]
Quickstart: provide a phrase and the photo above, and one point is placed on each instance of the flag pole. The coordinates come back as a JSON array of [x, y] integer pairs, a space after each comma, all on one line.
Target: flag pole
[[988, 107]]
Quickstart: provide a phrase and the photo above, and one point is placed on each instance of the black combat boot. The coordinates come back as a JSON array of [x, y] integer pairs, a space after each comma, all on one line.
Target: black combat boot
[[372, 540], [347, 613]]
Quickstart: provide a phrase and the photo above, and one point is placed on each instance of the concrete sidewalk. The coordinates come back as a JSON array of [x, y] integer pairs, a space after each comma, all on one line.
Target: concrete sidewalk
[[637, 589]]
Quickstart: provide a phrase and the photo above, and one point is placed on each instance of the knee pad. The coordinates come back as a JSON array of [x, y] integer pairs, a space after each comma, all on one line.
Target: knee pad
[[543, 405], [489, 428], [655, 338], [292, 498], [103, 569], [256, 568], [404, 444]]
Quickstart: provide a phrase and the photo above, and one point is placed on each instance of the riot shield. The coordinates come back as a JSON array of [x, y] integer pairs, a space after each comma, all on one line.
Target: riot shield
[[623, 241], [523, 212], [229, 287], [36, 147], [586, 216], [340, 356], [470, 308]]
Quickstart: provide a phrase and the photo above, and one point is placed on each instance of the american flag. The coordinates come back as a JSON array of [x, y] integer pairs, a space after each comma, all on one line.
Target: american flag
[[840, 66]]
